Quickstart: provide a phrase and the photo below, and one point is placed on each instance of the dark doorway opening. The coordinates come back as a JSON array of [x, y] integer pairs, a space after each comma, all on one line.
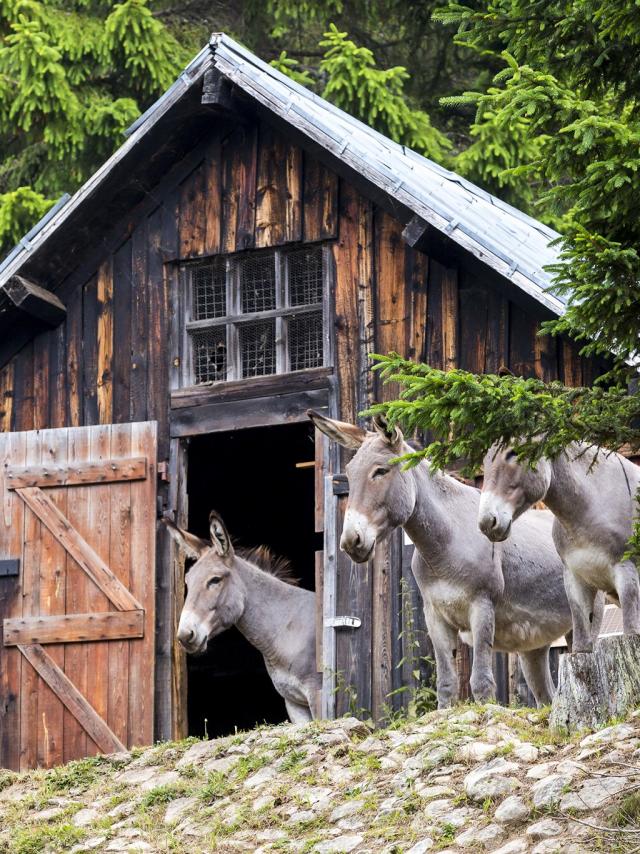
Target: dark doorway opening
[[261, 481]]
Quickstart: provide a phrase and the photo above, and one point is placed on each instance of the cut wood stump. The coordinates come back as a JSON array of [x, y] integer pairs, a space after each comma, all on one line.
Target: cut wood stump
[[595, 687]]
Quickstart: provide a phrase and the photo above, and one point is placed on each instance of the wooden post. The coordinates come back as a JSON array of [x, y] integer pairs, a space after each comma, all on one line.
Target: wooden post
[[595, 687]]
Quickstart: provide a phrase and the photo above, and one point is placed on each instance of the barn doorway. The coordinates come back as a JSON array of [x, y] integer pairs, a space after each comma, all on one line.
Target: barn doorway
[[261, 481]]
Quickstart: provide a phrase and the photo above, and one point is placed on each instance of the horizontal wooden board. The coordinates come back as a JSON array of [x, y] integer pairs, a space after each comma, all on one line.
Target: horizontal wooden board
[[101, 625], [78, 548], [78, 474], [68, 694], [257, 412]]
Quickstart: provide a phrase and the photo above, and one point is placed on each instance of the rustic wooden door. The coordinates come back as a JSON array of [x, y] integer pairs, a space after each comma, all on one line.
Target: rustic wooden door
[[77, 588]]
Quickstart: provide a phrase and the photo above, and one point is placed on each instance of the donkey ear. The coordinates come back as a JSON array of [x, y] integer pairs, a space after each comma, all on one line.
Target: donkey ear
[[193, 546], [348, 435], [220, 539], [392, 435]]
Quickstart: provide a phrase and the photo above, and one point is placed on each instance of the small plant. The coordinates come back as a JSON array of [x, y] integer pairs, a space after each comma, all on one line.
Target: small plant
[[163, 795], [293, 760], [83, 772], [215, 788], [628, 812]]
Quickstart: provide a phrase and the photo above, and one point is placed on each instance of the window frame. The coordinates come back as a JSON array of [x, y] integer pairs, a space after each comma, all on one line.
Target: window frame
[[235, 318]]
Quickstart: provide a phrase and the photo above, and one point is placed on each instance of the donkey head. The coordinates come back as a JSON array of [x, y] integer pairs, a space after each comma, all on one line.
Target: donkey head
[[215, 593], [509, 489], [381, 495]]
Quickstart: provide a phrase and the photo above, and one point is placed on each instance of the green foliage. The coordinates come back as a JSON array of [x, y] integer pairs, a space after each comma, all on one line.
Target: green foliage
[[291, 67], [74, 76], [376, 96]]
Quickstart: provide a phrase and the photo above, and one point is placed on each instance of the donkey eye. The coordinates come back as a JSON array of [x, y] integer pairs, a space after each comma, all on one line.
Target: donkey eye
[[511, 455], [380, 472], [215, 580]]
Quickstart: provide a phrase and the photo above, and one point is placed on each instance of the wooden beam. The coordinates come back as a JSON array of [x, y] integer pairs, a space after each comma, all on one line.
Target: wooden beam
[[67, 628], [217, 91], [73, 700], [78, 474], [35, 301], [78, 548]]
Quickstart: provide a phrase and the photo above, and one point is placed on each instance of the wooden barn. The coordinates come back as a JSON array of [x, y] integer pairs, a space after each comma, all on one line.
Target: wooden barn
[[163, 333]]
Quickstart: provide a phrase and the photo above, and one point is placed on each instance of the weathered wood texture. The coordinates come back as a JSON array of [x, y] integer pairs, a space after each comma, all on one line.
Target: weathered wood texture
[[87, 562], [118, 351], [595, 687]]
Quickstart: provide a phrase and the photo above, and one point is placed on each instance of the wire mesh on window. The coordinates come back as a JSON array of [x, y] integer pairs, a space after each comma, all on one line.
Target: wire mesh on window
[[210, 354], [305, 341], [258, 348], [258, 282], [209, 290], [305, 276]]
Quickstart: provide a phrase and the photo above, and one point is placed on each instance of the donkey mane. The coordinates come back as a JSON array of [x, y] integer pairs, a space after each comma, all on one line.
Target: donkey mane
[[265, 560]]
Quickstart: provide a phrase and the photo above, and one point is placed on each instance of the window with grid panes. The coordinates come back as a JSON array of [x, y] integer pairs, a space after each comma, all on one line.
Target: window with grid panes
[[255, 313]]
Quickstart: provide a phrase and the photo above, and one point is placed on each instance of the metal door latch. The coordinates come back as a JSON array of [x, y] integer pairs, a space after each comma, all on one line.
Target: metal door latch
[[339, 622]]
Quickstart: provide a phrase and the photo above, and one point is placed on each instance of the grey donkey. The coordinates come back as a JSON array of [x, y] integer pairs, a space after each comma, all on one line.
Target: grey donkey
[[507, 598], [594, 503], [254, 592]]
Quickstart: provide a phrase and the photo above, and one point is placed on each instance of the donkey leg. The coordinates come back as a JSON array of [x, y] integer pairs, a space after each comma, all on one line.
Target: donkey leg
[[298, 714], [581, 598], [482, 621], [535, 667], [625, 576], [445, 643]]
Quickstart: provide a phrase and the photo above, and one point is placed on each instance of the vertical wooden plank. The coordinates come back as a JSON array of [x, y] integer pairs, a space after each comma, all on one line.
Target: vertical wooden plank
[[193, 213], [13, 451], [90, 352], [120, 564], [75, 369], [139, 325], [213, 197], [521, 342], [416, 274], [239, 169], [497, 342], [6, 396], [320, 201], [278, 190], [178, 509], [366, 300], [292, 191], [392, 320], [571, 363], [545, 350], [121, 362], [449, 281], [98, 676], [41, 381], [31, 571], [143, 531], [105, 342], [58, 377], [473, 302], [76, 657], [52, 602], [23, 389]]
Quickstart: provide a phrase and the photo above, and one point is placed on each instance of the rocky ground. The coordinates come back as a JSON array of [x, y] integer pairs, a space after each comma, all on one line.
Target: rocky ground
[[475, 778]]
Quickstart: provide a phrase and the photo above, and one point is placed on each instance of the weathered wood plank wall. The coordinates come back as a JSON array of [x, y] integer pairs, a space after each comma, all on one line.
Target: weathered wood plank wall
[[115, 356]]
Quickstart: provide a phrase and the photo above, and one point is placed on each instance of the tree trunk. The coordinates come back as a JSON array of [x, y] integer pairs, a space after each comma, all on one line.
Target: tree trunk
[[595, 687]]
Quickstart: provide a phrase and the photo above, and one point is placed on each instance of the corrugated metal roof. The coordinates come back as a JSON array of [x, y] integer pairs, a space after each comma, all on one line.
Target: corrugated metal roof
[[509, 241]]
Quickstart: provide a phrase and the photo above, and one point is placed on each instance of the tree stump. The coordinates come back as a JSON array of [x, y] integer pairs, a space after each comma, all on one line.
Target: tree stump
[[595, 687]]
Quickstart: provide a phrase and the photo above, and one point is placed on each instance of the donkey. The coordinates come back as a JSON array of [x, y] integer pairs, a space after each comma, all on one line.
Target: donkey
[[256, 593], [594, 504], [511, 599]]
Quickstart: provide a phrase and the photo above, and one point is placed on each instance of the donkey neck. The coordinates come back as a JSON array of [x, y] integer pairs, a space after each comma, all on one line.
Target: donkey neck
[[266, 603], [431, 525], [565, 495]]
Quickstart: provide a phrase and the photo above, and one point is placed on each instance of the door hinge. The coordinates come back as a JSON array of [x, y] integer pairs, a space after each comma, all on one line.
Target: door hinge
[[163, 471], [340, 484], [341, 622]]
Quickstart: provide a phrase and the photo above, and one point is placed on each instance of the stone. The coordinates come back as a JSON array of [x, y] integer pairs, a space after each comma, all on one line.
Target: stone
[[479, 836], [339, 845], [219, 766], [545, 829], [515, 846], [593, 793], [167, 778], [436, 809], [262, 776], [346, 809], [85, 817], [428, 792], [435, 756], [46, 815], [422, 846], [619, 732], [491, 780], [263, 802], [570, 768], [335, 737], [511, 810], [458, 817], [88, 844], [136, 776], [476, 751], [539, 772], [303, 815], [127, 845], [548, 792], [549, 846], [176, 809], [526, 752]]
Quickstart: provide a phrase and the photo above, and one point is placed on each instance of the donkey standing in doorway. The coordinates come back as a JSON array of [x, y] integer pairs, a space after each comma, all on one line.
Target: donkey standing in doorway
[[511, 599], [254, 592], [594, 502]]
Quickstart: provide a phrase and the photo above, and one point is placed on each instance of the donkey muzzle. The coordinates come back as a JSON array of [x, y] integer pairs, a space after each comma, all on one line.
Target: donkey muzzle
[[192, 634], [358, 538], [494, 517]]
